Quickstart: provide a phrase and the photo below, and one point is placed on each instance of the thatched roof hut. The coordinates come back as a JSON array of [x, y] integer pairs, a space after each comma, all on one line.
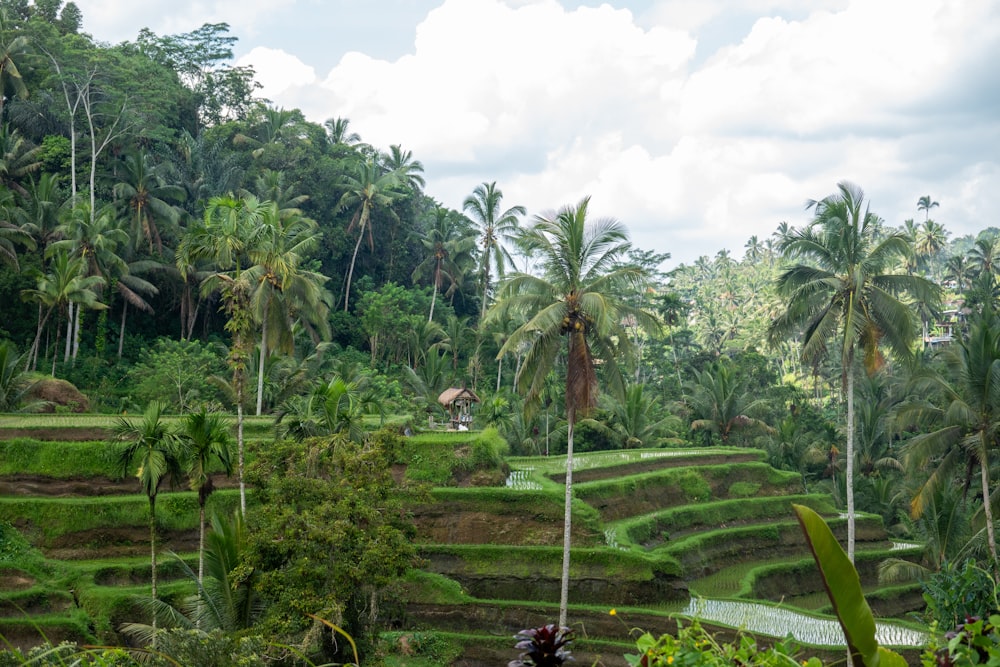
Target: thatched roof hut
[[458, 401]]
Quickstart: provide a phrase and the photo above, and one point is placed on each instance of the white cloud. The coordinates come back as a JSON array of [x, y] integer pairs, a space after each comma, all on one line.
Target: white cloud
[[696, 123], [277, 71]]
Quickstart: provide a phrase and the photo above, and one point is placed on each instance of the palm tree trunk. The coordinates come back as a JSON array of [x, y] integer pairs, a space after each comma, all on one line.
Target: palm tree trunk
[[152, 556], [33, 354], [434, 294], [69, 331], [567, 525], [984, 470], [76, 333], [239, 444], [121, 330], [350, 270], [263, 355], [850, 457], [499, 369], [201, 544]]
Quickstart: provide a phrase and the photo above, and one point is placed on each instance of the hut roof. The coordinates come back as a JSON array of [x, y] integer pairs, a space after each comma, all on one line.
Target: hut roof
[[449, 396]]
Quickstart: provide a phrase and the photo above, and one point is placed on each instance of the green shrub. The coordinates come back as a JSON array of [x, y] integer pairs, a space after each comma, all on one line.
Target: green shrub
[[744, 490], [694, 486]]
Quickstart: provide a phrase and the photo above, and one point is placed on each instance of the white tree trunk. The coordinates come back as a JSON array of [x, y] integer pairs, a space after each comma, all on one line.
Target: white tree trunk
[[850, 459], [567, 525], [984, 469], [263, 356], [121, 331], [69, 332]]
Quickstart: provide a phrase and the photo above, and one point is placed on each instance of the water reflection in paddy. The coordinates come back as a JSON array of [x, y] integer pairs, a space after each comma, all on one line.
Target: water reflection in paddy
[[777, 622]]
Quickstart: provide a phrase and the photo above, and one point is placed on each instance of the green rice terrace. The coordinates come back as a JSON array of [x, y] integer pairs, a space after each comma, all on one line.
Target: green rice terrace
[[657, 533]]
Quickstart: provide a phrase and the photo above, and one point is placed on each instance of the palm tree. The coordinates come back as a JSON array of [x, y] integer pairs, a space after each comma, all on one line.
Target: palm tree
[[722, 405], [925, 204], [446, 251], [483, 206], [931, 237], [10, 232], [18, 158], [63, 284], [142, 190], [155, 451], [964, 413], [844, 290], [14, 47], [577, 298], [283, 290], [407, 170], [338, 134], [14, 381], [371, 188], [207, 440], [230, 230]]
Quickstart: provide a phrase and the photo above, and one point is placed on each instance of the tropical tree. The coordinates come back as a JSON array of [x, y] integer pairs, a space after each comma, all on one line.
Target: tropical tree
[[931, 238], [207, 442], [10, 232], [722, 405], [14, 381], [156, 453], [63, 284], [447, 249], [334, 407], [338, 132], [578, 298], [147, 198], [368, 190], [843, 288], [962, 419], [495, 226], [925, 204], [283, 289], [14, 48], [230, 230]]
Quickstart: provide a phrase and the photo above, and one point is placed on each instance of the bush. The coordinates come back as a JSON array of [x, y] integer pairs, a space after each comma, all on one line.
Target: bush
[[694, 646]]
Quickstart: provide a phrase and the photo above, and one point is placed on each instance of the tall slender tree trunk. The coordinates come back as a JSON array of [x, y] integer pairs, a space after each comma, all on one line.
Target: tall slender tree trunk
[[499, 369], [850, 456], [32, 362], [350, 270], [984, 471], [567, 524], [263, 356], [434, 294], [152, 555], [76, 333], [121, 330], [69, 332], [201, 543], [239, 444]]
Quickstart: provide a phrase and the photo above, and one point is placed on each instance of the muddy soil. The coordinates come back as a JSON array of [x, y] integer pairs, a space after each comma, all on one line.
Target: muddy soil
[[40, 485], [72, 434], [118, 543], [15, 580]]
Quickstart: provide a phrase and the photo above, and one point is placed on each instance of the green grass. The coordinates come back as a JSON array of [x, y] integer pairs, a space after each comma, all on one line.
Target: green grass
[[50, 518]]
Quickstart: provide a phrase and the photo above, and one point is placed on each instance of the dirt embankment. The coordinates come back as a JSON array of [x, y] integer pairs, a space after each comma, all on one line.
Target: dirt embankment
[[69, 434]]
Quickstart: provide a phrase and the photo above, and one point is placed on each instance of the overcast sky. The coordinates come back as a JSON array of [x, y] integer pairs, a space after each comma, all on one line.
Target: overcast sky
[[696, 122]]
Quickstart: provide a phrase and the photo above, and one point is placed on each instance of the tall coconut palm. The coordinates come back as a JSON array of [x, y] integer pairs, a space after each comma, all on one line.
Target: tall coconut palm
[[157, 455], [370, 189], [843, 288], [230, 230], [495, 226], [961, 419], [283, 290], [207, 441], [446, 249], [14, 48], [925, 204], [577, 299]]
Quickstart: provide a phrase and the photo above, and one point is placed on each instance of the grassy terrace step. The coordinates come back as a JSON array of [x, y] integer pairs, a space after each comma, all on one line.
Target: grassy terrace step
[[651, 492], [597, 576], [89, 526], [608, 465], [707, 552], [652, 530], [487, 515]]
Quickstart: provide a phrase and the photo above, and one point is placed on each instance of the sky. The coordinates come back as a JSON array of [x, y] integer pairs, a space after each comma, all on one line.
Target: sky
[[697, 123]]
